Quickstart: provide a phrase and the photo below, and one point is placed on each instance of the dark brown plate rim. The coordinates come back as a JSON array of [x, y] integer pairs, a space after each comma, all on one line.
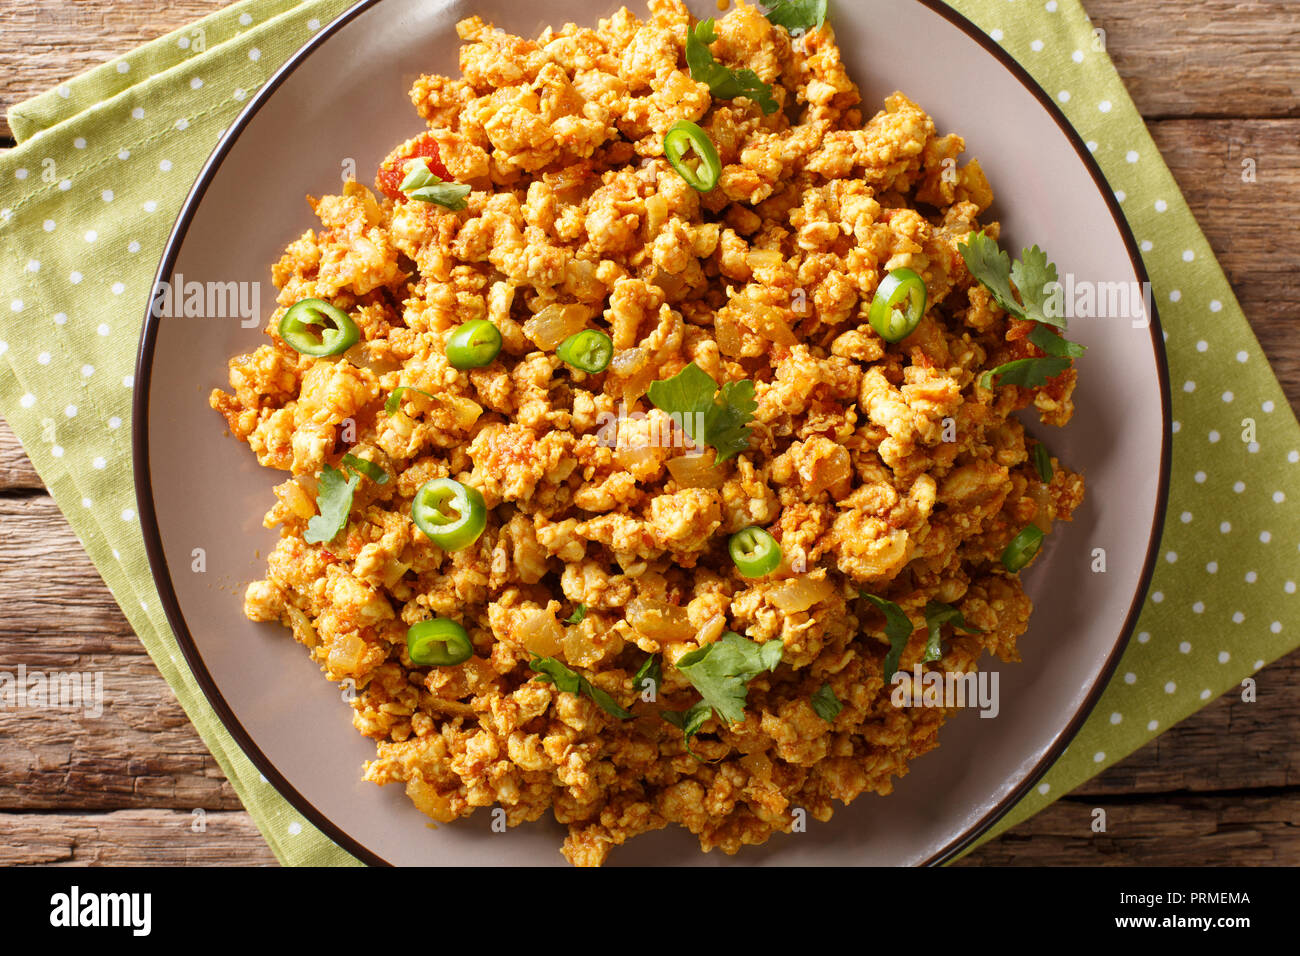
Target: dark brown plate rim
[[162, 574]]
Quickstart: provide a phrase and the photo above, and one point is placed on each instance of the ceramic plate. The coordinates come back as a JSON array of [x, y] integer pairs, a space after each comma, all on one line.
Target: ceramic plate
[[344, 97]]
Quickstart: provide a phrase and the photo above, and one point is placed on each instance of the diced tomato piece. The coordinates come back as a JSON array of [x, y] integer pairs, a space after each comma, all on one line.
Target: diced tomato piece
[[1056, 387], [391, 171], [1018, 329]]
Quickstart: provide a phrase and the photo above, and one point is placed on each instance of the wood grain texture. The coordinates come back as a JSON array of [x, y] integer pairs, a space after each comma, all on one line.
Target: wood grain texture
[[1230, 57], [1227, 830], [16, 471], [1250, 225], [131, 838], [64, 602], [1230, 830], [1227, 745], [1210, 58], [136, 748]]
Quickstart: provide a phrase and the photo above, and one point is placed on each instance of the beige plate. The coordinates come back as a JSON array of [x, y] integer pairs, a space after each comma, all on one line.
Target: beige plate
[[344, 97]]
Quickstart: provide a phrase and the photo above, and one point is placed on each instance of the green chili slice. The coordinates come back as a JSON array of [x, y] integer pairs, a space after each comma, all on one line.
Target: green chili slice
[[338, 332], [474, 345], [1022, 548], [755, 552], [450, 514], [424, 185], [888, 317], [684, 136], [1043, 463], [589, 350], [438, 642]]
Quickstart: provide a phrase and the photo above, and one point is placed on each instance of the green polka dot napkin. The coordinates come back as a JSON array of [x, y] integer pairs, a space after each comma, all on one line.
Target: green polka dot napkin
[[104, 161]]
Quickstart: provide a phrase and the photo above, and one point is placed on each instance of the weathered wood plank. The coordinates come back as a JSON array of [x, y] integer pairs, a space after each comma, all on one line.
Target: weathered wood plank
[[1175, 831], [1229, 57], [140, 749], [128, 744], [1210, 58], [1228, 830], [1250, 225], [64, 606], [132, 838], [1227, 745], [16, 471]]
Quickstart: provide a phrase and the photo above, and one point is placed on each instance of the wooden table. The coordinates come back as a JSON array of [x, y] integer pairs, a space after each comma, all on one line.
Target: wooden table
[[1217, 81]]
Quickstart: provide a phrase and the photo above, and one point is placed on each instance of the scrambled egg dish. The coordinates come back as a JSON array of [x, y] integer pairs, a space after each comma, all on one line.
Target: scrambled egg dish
[[646, 424]]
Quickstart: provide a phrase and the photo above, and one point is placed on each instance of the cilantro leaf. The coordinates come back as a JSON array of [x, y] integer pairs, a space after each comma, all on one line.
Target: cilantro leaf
[[722, 422], [1027, 373], [898, 628], [688, 721], [995, 271], [651, 670], [425, 186], [991, 267], [1043, 462], [551, 671], [724, 83], [334, 499], [605, 701], [826, 704], [554, 672], [721, 671], [689, 394], [726, 426], [797, 16], [390, 406], [938, 614], [1033, 275], [578, 614], [361, 466], [1053, 344]]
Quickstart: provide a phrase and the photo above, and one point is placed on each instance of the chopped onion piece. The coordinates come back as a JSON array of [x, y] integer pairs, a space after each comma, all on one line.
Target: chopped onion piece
[[659, 620], [540, 633], [579, 647], [627, 361], [345, 654], [555, 323], [799, 594], [696, 471]]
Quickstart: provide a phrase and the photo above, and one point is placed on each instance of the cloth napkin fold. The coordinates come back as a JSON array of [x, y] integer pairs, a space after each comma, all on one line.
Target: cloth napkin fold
[[104, 161]]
